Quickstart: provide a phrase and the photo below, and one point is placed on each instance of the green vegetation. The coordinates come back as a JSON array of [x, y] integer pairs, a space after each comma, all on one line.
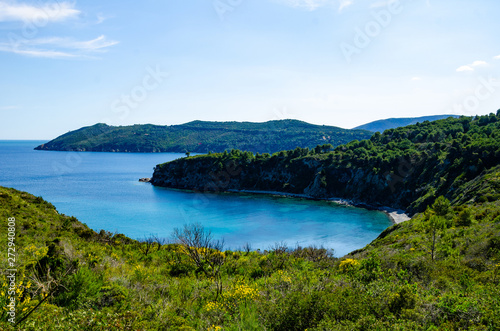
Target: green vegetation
[[393, 123], [439, 271], [203, 137], [405, 168]]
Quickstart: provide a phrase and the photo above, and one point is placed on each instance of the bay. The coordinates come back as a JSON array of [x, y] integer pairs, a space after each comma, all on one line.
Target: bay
[[102, 190]]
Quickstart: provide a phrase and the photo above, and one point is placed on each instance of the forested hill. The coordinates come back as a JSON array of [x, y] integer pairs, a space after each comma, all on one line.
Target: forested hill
[[403, 168], [392, 123], [202, 137]]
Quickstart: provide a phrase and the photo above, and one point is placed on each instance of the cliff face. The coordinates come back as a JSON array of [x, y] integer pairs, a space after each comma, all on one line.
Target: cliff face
[[406, 168], [318, 179], [309, 176]]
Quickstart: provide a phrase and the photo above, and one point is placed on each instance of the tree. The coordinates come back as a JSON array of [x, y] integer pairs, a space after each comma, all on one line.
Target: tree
[[317, 149], [205, 252], [327, 148], [465, 217], [146, 246], [441, 206], [434, 225]]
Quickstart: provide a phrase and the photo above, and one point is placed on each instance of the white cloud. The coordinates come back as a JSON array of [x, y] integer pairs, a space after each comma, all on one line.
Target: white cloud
[[479, 63], [35, 53], [39, 15], [9, 107], [465, 68], [93, 45], [470, 67], [416, 79], [497, 57], [49, 12], [382, 3], [345, 4], [314, 4], [57, 48], [100, 18]]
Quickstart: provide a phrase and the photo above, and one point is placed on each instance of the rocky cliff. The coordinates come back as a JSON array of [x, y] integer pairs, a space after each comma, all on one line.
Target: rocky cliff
[[405, 168]]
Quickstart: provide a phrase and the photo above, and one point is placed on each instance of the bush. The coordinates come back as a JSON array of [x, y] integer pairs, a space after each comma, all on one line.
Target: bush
[[80, 290], [113, 295]]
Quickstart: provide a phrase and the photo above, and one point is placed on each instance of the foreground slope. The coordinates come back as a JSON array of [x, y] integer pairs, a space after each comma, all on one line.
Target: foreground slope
[[202, 137], [404, 168], [439, 271], [393, 123]]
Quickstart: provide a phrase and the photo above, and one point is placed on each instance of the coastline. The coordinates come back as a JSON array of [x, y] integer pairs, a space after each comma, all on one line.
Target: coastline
[[396, 216]]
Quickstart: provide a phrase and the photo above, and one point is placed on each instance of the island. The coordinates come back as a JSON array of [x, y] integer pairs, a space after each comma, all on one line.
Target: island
[[203, 137]]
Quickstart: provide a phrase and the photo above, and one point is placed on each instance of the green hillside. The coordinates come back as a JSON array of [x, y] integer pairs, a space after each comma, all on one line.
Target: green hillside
[[202, 137], [439, 271], [405, 168], [392, 123]]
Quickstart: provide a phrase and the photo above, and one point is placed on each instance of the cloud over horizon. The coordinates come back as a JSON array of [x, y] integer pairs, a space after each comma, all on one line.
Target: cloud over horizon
[[53, 12], [470, 67], [315, 4], [37, 17], [57, 48]]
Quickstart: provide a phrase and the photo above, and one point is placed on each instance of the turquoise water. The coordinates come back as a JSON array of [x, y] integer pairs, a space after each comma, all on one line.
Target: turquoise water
[[102, 190]]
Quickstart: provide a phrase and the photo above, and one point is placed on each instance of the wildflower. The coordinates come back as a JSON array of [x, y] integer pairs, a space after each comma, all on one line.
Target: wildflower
[[348, 265], [212, 306]]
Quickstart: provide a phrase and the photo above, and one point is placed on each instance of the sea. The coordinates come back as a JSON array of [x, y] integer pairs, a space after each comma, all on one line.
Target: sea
[[103, 191]]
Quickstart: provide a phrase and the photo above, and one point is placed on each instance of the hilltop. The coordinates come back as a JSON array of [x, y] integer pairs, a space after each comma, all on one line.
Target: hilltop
[[392, 123], [202, 137]]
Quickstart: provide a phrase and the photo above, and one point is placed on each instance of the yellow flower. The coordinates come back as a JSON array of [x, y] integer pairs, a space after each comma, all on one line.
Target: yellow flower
[[212, 306], [242, 292], [348, 264]]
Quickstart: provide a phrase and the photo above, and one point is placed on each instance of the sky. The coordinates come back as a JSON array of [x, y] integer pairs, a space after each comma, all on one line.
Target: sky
[[65, 65]]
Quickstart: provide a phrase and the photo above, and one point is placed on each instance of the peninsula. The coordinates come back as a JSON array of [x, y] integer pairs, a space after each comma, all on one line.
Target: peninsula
[[405, 168], [203, 137]]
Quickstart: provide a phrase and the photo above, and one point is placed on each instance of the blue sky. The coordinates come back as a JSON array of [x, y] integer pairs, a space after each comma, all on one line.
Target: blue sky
[[64, 65]]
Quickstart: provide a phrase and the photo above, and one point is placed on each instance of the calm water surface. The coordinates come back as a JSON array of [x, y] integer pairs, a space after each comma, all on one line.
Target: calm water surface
[[102, 190]]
